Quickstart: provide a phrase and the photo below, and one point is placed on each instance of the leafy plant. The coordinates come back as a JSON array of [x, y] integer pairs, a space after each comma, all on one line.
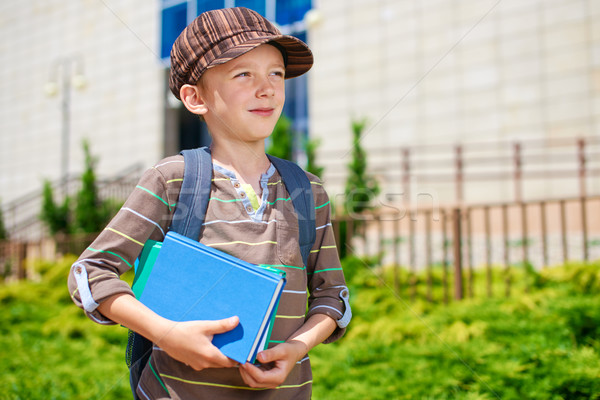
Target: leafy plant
[[55, 216], [282, 139], [540, 345], [361, 188], [311, 150], [91, 213], [3, 232]]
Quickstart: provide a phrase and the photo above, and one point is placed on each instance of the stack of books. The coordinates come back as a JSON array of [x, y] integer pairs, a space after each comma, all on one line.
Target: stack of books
[[184, 280]]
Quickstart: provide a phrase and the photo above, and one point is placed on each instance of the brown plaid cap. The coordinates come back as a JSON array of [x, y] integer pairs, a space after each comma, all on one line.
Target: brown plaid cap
[[218, 36]]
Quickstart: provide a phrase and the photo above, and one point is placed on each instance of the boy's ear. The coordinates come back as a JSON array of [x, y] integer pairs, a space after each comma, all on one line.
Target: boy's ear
[[192, 99]]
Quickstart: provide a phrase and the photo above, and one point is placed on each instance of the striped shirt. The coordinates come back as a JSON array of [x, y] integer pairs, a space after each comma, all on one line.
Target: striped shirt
[[266, 235]]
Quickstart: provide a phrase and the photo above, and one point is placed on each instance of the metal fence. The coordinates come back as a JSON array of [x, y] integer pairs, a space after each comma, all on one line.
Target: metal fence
[[519, 170], [454, 243], [425, 247], [22, 216]]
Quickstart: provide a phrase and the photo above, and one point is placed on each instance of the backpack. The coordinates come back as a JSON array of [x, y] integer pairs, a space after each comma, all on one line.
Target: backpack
[[189, 216]]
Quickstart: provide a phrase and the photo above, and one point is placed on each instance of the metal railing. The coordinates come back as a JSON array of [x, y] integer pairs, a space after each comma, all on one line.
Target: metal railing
[[460, 240], [515, 170], [22, 215]]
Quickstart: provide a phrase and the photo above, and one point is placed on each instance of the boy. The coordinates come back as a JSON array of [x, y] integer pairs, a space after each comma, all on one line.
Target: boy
[[228, 66]]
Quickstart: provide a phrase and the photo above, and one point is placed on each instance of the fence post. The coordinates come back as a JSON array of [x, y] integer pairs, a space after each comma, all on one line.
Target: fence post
[[428, 257], [406, 174], [469, 244], [544, 233], [459, 174], [445, 254], [457, 243], [582, 196], [518, 173], [488, 250], [507, 279], [563, 231], [397, 243], [412, 255]]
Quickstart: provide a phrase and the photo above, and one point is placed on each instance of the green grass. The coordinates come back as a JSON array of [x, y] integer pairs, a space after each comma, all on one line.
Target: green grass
[[50, 350], [544, 344], [539, 345]]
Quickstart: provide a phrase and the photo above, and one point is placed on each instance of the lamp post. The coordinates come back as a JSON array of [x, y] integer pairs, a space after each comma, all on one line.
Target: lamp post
[[66, 71]]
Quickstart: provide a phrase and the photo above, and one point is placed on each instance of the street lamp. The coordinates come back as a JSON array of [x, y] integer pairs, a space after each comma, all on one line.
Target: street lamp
[[67, 71]]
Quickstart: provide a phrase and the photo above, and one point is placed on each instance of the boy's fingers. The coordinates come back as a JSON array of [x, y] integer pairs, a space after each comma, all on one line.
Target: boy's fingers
[[221, 325], [256, 377], [266, 356]]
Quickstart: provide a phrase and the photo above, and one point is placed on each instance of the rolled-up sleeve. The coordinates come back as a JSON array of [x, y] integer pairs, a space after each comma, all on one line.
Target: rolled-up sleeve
[[326, 283], [146, 214]]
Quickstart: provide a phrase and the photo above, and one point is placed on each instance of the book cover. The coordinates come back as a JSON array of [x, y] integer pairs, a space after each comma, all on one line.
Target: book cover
[[190, 281], [143, 266]]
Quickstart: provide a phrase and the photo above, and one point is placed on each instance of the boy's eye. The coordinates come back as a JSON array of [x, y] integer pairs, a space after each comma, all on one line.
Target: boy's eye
[[278, 73], [243, 74]]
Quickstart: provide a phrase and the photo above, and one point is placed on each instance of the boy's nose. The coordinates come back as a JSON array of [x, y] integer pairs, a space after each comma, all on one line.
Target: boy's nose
[[265, 88]]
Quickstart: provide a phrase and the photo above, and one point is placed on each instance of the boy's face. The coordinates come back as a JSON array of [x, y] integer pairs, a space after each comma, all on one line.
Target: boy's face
[[244, 97]]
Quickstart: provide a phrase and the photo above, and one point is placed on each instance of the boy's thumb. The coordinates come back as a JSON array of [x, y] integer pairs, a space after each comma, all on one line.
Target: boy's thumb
[[266, 356], [222, 325]]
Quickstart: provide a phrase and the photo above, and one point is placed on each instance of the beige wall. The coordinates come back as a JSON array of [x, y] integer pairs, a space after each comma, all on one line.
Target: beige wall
[[454, 71], [423, 72], [120, 109]]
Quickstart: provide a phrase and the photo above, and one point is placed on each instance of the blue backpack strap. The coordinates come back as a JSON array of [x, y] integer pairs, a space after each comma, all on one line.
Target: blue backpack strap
[[298, 186], [187, 220], [195, 193]]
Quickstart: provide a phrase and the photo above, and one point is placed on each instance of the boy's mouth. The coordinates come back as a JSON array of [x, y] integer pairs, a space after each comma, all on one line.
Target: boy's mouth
[[263, 112]]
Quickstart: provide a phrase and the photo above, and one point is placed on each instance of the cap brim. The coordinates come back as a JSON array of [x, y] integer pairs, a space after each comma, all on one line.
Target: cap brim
[[299, 58]]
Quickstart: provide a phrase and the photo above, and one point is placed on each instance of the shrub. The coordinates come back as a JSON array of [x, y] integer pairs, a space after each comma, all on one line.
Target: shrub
[[282, 139], [311, 150], [91, 213], [56, 217], [361, 188], [3, 232]]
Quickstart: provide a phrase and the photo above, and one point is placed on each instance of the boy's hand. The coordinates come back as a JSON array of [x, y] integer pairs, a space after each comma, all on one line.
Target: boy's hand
[[277, 363], [190, 343]]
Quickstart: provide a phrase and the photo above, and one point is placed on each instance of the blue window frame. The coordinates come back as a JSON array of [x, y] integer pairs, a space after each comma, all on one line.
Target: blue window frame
[[177, 14], [174, 20], [205, 5], [257, 5], [289, 11]]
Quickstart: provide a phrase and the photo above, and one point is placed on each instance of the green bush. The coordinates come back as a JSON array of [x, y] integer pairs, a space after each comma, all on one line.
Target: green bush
[[361, 188], [311, 155], [3, 232], [282, 139], [89, 214], [538, 345], [56, 217], [51, 350]]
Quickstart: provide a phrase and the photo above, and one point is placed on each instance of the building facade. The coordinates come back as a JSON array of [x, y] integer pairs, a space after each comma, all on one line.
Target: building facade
[[425, 74], [432, 74]]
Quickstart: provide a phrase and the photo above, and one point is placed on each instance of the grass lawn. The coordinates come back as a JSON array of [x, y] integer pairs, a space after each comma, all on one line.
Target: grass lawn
[[539, 345]]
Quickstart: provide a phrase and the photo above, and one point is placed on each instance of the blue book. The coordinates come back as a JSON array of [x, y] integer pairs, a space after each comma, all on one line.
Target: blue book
[[190, 281]]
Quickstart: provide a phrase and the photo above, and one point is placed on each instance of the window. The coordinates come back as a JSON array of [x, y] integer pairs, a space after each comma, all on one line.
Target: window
[[177, 14], [289, 11], [174, 20], [257, 5]]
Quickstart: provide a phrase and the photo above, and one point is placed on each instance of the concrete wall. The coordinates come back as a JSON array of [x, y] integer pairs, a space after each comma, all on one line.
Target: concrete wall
[[453, 71], [120, 109], [423, 72]]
